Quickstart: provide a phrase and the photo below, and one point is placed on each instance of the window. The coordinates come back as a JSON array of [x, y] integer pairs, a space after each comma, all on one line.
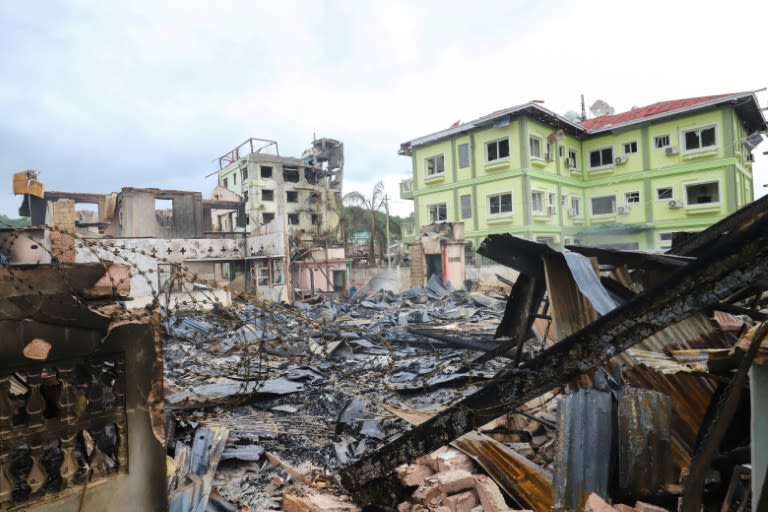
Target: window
[[267, 195], [537, 202], [702, 193], [573, 158], [632, 198], [268, 217], [497, 149], [245, 174], [466, 207], [575, 206], [500, 203], [550, 151], [435, 165], [164, 212], [664, 193], [601, 157], [552, 199], [561, 151], [665, 240], [548, 240], [292, 196], [463, 156], [630, 147], [293, 218], [535, 143], [266, 171], [603, 205], [234, 179], [437, 212], [315, 219], [291, 174], [225, 183], [700, 138], [661, 141]]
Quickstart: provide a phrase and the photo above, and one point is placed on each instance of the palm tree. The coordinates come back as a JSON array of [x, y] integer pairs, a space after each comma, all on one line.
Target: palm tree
[[372, 206]]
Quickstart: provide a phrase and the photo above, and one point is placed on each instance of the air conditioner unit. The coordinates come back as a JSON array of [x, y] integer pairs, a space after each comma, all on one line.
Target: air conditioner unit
[[570, 163], [670, 150], [572, 213], [551, 210], [623, 210], [674, 203], [620, 160]]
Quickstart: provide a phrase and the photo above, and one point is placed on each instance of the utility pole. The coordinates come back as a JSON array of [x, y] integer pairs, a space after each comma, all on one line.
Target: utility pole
[[386, 209]]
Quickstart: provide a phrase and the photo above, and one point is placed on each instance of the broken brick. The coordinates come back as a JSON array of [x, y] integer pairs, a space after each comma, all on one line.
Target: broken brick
[[452, 482], [597, 504], [412, 475], [429, 493], [490, 495], [462, 502]]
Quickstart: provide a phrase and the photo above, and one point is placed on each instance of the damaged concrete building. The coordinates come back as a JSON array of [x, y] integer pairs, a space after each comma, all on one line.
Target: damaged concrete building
[[299, 198], [274, 234]]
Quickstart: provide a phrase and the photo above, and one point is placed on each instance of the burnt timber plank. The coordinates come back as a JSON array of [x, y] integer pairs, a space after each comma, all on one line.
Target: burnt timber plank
[[733, 261]]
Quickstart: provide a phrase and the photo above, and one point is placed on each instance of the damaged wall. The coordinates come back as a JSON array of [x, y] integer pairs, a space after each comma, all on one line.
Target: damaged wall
[[80, 398]]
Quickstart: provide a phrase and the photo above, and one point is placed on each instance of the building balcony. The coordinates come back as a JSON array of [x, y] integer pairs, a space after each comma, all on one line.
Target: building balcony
[[406, 189]]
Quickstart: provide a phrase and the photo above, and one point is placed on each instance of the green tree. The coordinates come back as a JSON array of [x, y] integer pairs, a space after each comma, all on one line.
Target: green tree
[[7, 222]]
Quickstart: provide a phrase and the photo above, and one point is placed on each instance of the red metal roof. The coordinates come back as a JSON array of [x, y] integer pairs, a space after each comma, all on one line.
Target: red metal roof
[[653, 109]]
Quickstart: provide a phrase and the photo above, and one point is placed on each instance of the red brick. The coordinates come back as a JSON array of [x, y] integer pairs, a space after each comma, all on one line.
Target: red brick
[[490, 495], [412, 475], [462, 502], [597, 504], [455, 481], [429, 493]]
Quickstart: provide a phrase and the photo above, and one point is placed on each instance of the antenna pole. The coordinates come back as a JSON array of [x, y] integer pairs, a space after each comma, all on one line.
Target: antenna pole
[[583, 110]]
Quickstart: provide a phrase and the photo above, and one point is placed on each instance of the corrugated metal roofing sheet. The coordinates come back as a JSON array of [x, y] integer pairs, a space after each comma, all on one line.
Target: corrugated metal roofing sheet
[[583, 448]]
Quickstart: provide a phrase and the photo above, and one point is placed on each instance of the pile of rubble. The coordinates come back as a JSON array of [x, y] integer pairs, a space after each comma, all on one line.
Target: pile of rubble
[[608, 380]]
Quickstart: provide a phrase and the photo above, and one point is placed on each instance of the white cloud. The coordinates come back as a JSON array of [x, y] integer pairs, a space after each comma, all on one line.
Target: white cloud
[[102, 95]]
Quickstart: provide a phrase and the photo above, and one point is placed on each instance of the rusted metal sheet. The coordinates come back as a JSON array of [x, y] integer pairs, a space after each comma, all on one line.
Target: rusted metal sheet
[[583, 448], [520, 478], [645, 461], [569, 308], [738, 258]]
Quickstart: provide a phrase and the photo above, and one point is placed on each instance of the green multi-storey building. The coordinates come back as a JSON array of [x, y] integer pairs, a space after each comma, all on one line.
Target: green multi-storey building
[[625, 181]]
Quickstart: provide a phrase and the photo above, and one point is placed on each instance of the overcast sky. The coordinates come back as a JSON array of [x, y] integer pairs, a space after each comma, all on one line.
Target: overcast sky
[[99, 95]]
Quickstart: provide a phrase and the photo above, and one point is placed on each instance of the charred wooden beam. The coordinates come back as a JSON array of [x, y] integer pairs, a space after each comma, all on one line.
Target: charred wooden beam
[[740, 257]]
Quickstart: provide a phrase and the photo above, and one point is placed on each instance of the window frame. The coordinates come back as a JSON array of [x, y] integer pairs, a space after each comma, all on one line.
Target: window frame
[[576, 206], [671, 193], [468, 197], [699, 129], [634, 199], [703, 205], [434, 158], [592, 205], [632, 145], [498, 158], [602, 165], [459, 155], [489, 197], [573, 154], [538, 141], [540, 194], [659, 139], [429, 207]]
